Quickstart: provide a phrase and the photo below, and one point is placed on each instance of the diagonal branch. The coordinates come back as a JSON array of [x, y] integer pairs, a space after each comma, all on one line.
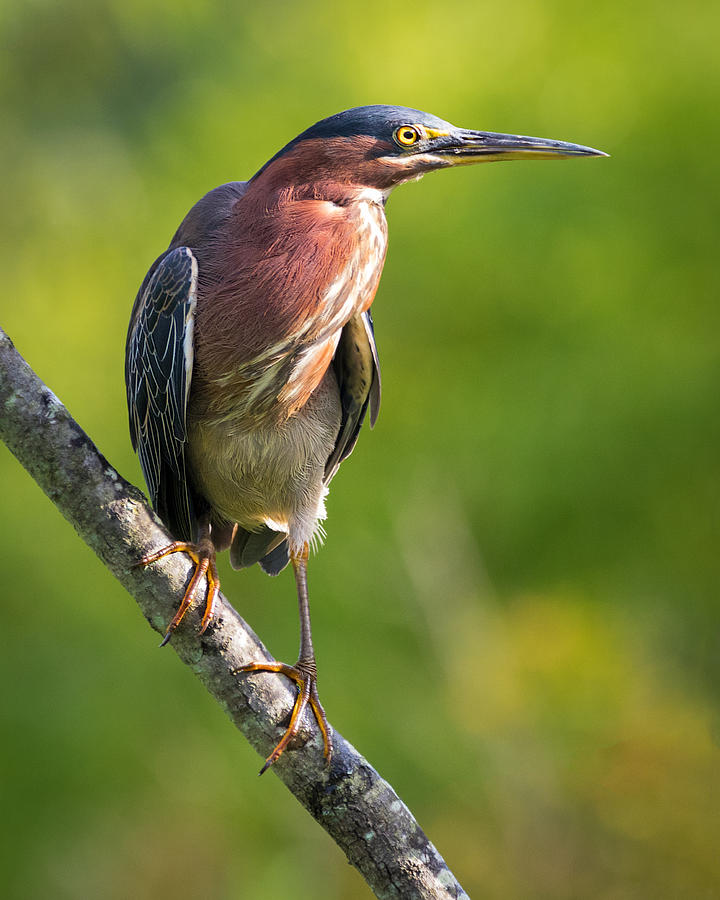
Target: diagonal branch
[[359, 810]]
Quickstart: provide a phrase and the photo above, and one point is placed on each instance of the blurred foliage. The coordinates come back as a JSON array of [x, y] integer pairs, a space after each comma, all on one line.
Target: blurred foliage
[[516, 610]]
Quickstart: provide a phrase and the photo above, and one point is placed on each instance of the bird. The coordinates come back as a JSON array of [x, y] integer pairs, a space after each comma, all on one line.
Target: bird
[[251, 362]]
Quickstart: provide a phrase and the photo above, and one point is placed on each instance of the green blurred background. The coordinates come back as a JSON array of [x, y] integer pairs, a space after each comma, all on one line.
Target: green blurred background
[[516, 609]]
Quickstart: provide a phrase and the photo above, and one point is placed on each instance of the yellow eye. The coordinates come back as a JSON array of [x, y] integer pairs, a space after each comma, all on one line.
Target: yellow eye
[[407, 135]]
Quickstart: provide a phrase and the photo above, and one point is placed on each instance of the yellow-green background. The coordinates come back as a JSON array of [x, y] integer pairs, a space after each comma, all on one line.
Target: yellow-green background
[[516, 609]]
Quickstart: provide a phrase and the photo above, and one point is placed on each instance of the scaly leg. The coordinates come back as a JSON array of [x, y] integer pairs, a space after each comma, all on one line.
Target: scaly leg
[[303, 673], [202, 553]]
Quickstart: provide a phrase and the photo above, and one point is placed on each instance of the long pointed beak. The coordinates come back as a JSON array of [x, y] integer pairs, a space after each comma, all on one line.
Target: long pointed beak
[[487, 146]]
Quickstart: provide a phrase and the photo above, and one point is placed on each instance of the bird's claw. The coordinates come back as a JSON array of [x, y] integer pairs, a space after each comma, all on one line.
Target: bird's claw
[[305, 678], [203, 555]]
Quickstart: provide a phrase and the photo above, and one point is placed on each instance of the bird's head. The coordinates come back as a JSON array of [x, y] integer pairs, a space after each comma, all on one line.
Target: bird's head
[[382, 146]]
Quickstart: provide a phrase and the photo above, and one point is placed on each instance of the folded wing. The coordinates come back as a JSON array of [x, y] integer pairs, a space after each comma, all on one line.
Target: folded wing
[[158, 371]]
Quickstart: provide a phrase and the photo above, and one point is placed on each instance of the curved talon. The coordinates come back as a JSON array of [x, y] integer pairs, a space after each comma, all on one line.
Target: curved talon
[[322, 721], [204, 559], [213, 589], [175, 547], [307, 694]]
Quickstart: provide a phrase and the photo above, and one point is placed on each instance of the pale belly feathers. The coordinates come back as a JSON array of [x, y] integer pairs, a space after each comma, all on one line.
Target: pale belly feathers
[[272, 475]]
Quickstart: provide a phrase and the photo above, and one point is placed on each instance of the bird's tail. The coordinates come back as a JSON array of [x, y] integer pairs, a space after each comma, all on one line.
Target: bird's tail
[[267, 547]]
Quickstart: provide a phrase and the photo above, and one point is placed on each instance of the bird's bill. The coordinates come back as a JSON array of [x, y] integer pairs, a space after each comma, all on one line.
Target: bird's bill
[[487, 146]]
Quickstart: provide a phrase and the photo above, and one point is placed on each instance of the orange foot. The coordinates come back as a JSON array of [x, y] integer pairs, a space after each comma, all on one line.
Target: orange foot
[[203, 555], [306, 681]]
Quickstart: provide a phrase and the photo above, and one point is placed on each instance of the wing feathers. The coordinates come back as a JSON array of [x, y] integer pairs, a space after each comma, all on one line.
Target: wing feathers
[[376, 386], [358, 374], [158, 371]]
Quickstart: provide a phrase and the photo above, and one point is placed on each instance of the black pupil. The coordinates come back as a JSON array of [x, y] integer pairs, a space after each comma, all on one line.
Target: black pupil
[[408, 134]]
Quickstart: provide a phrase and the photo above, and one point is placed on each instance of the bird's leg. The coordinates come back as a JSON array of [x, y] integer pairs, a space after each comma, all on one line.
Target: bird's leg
[[202, 553], [303, 673]]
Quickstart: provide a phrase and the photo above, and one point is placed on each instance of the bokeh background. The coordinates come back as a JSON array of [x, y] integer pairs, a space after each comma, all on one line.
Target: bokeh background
[[516, 609]]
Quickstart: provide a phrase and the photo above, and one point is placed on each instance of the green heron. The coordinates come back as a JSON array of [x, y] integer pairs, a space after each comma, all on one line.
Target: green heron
[[251, 360]]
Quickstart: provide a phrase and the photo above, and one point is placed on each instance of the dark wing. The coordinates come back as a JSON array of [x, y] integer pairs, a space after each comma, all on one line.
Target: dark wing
[[358, 374], [158, 369]]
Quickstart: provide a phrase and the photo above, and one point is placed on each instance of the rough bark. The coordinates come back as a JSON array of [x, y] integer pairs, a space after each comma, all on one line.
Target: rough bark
[[359, 810]]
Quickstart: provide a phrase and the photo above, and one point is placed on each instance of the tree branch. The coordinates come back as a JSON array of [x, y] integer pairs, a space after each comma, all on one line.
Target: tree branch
[[359, 810]]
